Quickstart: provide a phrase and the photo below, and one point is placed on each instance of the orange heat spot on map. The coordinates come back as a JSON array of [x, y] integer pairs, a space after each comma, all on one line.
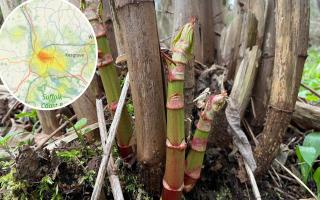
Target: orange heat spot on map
[[48, 61], [45, 57]]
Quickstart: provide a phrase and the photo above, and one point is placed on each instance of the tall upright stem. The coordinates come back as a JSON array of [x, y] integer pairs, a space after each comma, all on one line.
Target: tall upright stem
[[182, 47], [137, 23], [111, 83], [292, 25]]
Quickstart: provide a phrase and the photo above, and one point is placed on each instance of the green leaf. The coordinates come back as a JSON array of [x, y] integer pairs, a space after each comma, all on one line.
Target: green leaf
[[4, 140], [131, 109], [32, 115], [306, 156], [313, 140], [44, 185], [311, 97], [47, 179], [81, 123], [56, 195], [316, 178], [69, 155]]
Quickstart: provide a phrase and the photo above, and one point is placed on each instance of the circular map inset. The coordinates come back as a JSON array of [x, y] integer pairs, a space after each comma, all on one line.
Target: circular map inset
[[48, 53]]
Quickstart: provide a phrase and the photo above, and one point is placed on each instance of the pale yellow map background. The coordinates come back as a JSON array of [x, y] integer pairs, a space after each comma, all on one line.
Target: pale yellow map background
[[48, 53]]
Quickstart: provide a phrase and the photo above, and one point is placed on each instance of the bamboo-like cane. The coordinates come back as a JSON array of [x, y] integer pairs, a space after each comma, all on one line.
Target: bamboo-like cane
[[111, 85], [182, 47], [199, 141]]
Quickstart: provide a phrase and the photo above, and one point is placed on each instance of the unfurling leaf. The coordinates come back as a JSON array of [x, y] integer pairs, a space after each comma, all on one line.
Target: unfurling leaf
[[313, 140], [306, 156], [81, 123]]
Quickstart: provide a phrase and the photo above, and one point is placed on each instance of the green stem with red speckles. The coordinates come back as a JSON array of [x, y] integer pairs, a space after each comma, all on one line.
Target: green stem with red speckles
[[199, 141], [182, 47], [111, 85]]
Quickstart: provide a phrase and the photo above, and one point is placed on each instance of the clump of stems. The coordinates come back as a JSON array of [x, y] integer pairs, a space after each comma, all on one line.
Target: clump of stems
[[199, 141], [182, 47]]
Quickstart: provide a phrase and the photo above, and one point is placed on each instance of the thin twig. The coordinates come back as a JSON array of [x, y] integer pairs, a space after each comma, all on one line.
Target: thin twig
[[253, 182], [301, 163], [55, 132], [247, 126], [302, 100], [297, 179], [70, 136], [247, 190], [166, 57], [107, 142], [311, 90], [80, 136], [287, 178], [273, 179], [164, 11], [4, 119], [284, 193], [253, 108], [201, 64], [277, 175], [296, 130]]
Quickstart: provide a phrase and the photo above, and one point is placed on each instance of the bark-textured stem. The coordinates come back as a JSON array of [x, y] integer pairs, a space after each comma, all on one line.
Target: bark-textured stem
[[107, 19], [292, 31], [182, 47], [207, 36], [57, 131], [218, 24], [248, 36], [229, 46], [137, 23], [48, 121], [199, 141], [111, 84], [262, 86], [259, 9], [84, 107], [204, 28]]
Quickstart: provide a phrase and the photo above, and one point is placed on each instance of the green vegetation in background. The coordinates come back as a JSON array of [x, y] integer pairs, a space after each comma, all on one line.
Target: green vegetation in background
[[32, 115], [311, 75], [307, 155]]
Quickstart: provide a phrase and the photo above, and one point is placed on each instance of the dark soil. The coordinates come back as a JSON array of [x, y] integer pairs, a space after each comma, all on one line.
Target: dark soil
[[32, 165], [224, 177], [68, 175]]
